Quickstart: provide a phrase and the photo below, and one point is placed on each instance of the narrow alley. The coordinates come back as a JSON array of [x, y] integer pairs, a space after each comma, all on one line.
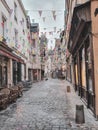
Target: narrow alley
[[48, 64], [45, 106]]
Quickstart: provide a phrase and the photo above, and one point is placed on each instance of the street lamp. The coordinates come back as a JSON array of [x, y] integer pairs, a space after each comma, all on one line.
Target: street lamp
[[96, 12]]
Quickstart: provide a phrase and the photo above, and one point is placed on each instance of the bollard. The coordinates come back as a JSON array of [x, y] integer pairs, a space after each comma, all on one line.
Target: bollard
[[68, 89], [80, 119]]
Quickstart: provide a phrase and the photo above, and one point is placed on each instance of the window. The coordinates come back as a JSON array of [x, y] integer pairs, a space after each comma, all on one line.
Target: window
[[0, 75], [16, 38], [23, 26], [23, 44], [5, 75], [33, 43], [83, 68], [90, 82], [15, 12], [4, 26], [34, 59]]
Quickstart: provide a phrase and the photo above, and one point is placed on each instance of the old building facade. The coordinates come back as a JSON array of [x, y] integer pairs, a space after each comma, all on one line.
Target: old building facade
[[43, 54], [81, 42], [58, 57], [35, 47], [15, 43]]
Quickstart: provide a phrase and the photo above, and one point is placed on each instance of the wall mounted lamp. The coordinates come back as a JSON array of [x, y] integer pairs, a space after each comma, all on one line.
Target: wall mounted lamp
[[96, 12]]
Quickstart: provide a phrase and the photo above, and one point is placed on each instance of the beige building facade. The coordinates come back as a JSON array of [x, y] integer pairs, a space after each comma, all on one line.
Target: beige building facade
[[81, 39]]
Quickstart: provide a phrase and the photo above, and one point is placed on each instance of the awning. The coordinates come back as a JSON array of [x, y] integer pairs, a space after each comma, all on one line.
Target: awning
[[11, 56]]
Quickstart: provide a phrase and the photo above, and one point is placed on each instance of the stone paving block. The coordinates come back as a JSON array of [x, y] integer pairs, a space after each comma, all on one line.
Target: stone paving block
[[45, 105]]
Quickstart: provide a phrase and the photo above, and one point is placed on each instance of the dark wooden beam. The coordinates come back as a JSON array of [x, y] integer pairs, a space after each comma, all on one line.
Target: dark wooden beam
[[77, 34]]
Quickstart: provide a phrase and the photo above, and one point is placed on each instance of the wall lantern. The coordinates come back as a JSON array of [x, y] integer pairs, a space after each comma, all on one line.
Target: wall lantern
[[96, 12]]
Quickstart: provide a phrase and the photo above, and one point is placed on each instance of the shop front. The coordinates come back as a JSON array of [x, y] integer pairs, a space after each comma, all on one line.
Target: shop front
[[30, 74], [83, 73], [10, 66], [80, 46]]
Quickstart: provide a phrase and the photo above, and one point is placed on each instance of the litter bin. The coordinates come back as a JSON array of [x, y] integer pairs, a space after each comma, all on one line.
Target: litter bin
[[68, 89]]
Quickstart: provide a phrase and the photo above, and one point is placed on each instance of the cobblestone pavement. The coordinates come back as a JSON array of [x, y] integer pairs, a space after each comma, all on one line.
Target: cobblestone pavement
[[46, 106]]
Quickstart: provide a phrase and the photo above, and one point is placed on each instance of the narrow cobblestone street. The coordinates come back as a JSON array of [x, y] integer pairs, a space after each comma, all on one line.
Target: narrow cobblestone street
[[45, 106]]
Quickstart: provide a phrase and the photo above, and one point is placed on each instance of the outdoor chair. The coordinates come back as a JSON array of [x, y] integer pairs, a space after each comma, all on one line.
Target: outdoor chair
[[14, 93], [5, 97], [20, 89]]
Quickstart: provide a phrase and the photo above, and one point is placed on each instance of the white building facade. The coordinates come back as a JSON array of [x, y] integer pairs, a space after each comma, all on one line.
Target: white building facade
[[15, 59]]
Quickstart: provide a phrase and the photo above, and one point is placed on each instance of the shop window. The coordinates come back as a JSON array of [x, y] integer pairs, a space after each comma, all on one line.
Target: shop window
[[88, 58], [14, 72], [76, 74], [83, 68], [24, 71], [29, 74], [89, 66], [18, 72], [90, 84], [5, 75], [0, 76]]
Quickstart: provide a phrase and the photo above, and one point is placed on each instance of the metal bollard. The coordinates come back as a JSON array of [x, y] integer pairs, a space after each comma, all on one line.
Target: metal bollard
[[68, 89], [80, 119]]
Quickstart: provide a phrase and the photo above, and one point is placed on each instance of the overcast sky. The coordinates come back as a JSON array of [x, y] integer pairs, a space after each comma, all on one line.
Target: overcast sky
[[47, 6]]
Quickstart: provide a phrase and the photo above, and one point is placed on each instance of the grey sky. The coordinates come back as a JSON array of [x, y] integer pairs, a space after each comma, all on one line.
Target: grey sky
[[47, 6]]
